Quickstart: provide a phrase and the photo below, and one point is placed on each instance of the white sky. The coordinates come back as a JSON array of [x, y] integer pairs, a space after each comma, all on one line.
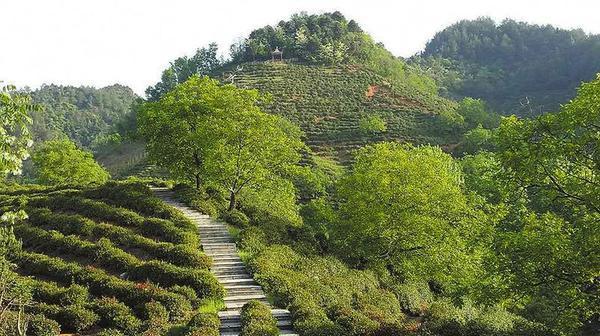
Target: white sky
[[101, 42]]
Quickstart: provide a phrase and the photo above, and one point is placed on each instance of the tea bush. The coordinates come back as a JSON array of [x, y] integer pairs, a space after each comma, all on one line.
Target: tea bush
[[257, 320]]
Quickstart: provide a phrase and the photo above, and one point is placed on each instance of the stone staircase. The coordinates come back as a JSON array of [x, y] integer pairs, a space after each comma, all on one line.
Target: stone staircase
[[229, 269]]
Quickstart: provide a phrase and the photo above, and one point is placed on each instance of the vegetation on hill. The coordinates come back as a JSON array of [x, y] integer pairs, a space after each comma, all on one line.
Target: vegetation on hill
[[81, 113], [112, 257], [342, 89], [61, 162], [512, 64], [330, 103]]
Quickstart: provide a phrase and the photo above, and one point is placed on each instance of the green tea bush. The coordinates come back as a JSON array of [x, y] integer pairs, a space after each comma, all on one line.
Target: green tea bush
[[115, 314], [66, 224], [446, 319], [236, 218], [257, 320], [204, 324], [202, 281], [76, 318], [101, 284], [109, 332], [38, 325]]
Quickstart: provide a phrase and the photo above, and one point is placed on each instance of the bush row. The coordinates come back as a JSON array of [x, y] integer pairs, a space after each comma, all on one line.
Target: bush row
[[139, 198], [101, 284], [178, 254], [257, 320], [106, 255], [37, 324], [204, 324], [153, 227]]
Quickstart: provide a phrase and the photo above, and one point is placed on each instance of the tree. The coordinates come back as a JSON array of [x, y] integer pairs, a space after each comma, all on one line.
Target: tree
[[15, 138], [61, 162], [547, 246], [404, 206], [204, 61], [206, 131]]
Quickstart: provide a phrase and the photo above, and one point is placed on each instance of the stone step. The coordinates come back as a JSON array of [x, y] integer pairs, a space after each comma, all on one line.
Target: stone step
[[239, 304], [237, 325], [243, 276], [228, 268], [245, 298], [228, 271], [225, 263], [232, 282], [276, 312], [281, 333], [225, 256]]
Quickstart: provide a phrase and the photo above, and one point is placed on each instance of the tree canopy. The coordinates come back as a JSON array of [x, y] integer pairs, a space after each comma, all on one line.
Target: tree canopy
[[207, 132], [61, 162], [202, 63], [404, 206], [508, 62], [80, 113]]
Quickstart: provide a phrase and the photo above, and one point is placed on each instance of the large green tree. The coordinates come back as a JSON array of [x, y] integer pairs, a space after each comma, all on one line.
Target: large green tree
[[62, 162], [544, 179], [404, 206], [207, 132]]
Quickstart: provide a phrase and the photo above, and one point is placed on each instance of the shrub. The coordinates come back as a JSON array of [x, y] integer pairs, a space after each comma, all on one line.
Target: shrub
[[115, 314], [205, 324], [236, 218], [109, 332], [414, 298], [42, 326], [74, 295], [202, 281], [156, 318], [76, 318], [257, 320]]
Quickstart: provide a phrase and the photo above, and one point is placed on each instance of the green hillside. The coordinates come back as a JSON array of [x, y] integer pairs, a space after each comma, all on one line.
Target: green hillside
[[517, 67], [329, 103], [83, 114], [111, 257]]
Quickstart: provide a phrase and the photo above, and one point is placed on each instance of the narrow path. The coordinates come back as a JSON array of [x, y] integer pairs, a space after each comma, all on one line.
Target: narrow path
[[228, 268]]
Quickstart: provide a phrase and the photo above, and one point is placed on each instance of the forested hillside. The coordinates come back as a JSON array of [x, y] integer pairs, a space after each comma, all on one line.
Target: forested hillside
[[517, 67], [413, 214], [343, 89], [80, 113], [343, 107]]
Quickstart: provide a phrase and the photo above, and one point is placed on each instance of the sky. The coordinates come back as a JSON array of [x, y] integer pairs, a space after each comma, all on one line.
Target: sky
[[102, 42]]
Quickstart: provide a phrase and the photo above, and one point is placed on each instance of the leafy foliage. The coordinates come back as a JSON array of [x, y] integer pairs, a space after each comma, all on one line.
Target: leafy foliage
[[80, 113], [15, 138], [511, 63], [203, 130], [93, 264], [204, 61], [61, 162]]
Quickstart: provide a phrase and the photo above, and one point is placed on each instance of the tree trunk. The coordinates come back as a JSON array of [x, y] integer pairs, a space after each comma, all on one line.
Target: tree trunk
[[232, 201], [198, 181]]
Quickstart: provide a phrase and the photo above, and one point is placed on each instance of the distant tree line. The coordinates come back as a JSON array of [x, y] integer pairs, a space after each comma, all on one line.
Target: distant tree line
[[507, 62]]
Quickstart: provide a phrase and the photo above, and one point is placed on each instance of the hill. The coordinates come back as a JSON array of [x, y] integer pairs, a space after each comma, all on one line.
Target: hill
[[336, 105], [511, 64], [111, 257], [80, 113], [341, 87]]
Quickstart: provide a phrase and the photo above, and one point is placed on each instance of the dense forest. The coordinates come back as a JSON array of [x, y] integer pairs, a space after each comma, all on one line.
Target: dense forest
[[363, 194], [517, 67], [82, 114]]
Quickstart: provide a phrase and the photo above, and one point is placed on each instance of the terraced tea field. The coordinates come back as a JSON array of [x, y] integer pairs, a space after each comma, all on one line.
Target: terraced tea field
[[329, 102], [110, 257]]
